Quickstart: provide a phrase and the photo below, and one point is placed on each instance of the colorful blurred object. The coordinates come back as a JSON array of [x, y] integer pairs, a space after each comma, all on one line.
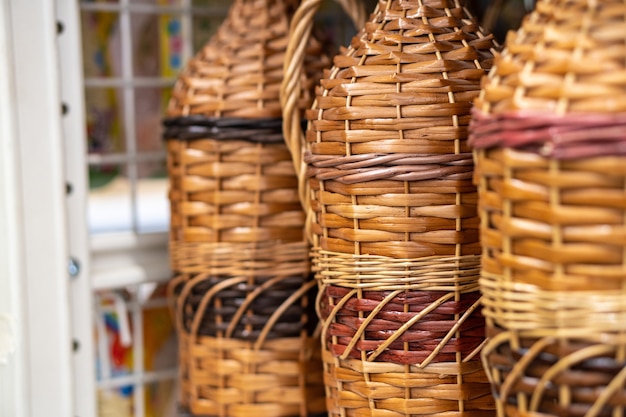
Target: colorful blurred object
[[117, 341]]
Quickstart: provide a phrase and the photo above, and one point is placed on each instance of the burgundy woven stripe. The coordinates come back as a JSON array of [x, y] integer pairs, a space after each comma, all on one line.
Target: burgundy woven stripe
[[568, 136]]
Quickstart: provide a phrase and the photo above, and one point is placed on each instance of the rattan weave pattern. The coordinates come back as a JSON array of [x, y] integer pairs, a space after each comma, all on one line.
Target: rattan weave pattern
[[558, 225], [548, 140], [567, 57], [232, 191], [242, 291], [553, 281], [386, 180], [385, 149], [238, 72], [242, 378]]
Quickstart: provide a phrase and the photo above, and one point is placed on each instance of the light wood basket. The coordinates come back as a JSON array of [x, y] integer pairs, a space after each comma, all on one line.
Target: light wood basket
[[242, 293], [549, 139], [386, 181]]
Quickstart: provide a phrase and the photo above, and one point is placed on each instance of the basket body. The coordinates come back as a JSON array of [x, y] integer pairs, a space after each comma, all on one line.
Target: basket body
[[394, 215], [242, 292], [548, 137]]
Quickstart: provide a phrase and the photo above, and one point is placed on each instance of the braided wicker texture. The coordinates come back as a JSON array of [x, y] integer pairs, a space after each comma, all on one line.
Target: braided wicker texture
[[242, 293], [238, 73], [553, 280], [232, 191], [388, 166], [242, 378], [386, 179], [401, 336], [548, 137]]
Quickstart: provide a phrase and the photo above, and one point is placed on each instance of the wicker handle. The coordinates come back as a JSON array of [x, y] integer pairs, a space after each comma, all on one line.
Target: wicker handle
[[299, 32]]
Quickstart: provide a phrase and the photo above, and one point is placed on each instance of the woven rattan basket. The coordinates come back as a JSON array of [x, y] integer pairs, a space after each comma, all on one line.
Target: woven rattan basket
[[549, 134], [242, 294], [386, 178]]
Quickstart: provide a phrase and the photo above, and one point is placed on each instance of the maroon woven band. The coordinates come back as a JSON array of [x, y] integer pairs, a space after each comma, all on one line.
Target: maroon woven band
[[566, 136]]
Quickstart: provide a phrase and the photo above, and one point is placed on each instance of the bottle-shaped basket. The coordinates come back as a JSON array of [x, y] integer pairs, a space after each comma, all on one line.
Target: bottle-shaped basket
[[386, 176], [242, 295], [549, 136]]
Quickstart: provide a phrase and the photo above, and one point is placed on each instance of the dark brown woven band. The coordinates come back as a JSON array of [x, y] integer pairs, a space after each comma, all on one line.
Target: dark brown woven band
[[567, 136], [268, 130]]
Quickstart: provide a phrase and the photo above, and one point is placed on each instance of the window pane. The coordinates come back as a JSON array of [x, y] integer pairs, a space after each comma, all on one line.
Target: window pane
[[105, 122], [101, 44], [210, 3], [109, 200], [152, 203], [203, 28], [150, 108], [160, 343], [161, 399], [115, 402], [157, 45]]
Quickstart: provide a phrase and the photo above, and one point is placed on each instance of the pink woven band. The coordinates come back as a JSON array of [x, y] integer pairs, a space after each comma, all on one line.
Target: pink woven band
[[567, 136]]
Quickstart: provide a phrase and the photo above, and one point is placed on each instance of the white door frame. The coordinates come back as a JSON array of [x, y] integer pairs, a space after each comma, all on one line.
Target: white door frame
[[36, 379]]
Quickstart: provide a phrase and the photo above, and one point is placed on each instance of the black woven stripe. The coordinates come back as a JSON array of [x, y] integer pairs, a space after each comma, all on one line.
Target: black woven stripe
[[200, 127]]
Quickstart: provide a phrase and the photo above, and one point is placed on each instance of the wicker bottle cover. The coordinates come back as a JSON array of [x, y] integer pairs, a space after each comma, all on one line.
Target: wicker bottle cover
[[242, 294], [386, 175], [549, 136]]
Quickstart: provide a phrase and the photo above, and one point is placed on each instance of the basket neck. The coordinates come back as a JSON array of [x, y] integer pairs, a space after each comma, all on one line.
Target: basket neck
[[413, 6]]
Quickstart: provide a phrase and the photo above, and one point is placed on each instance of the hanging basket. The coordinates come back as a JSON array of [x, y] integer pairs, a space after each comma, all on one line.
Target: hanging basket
[[386, 179], [548, 136], [242, 291]]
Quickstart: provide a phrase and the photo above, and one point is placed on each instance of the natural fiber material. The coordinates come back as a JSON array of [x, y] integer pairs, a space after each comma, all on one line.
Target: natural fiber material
[[386, 179], [553, 281], [248, 291], [386, 152], [401, 335], [558, 225], [242, 292], [199, 127], [548, 135], [238, 73], [233, 191], [567, 57], [241, 378], [385, 388]]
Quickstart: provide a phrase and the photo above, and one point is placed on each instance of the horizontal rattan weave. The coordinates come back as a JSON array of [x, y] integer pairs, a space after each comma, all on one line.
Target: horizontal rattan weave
[[399, 335], [558, 225], [232, 377], [553, 274], [232, 191], [416, 312], [555, 352], [238, 72], [386, 180], [559, 136], [567, 57], [255, 298], [222, 128], [387, 389], [242, 290], [385, 151], [548, 138]]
